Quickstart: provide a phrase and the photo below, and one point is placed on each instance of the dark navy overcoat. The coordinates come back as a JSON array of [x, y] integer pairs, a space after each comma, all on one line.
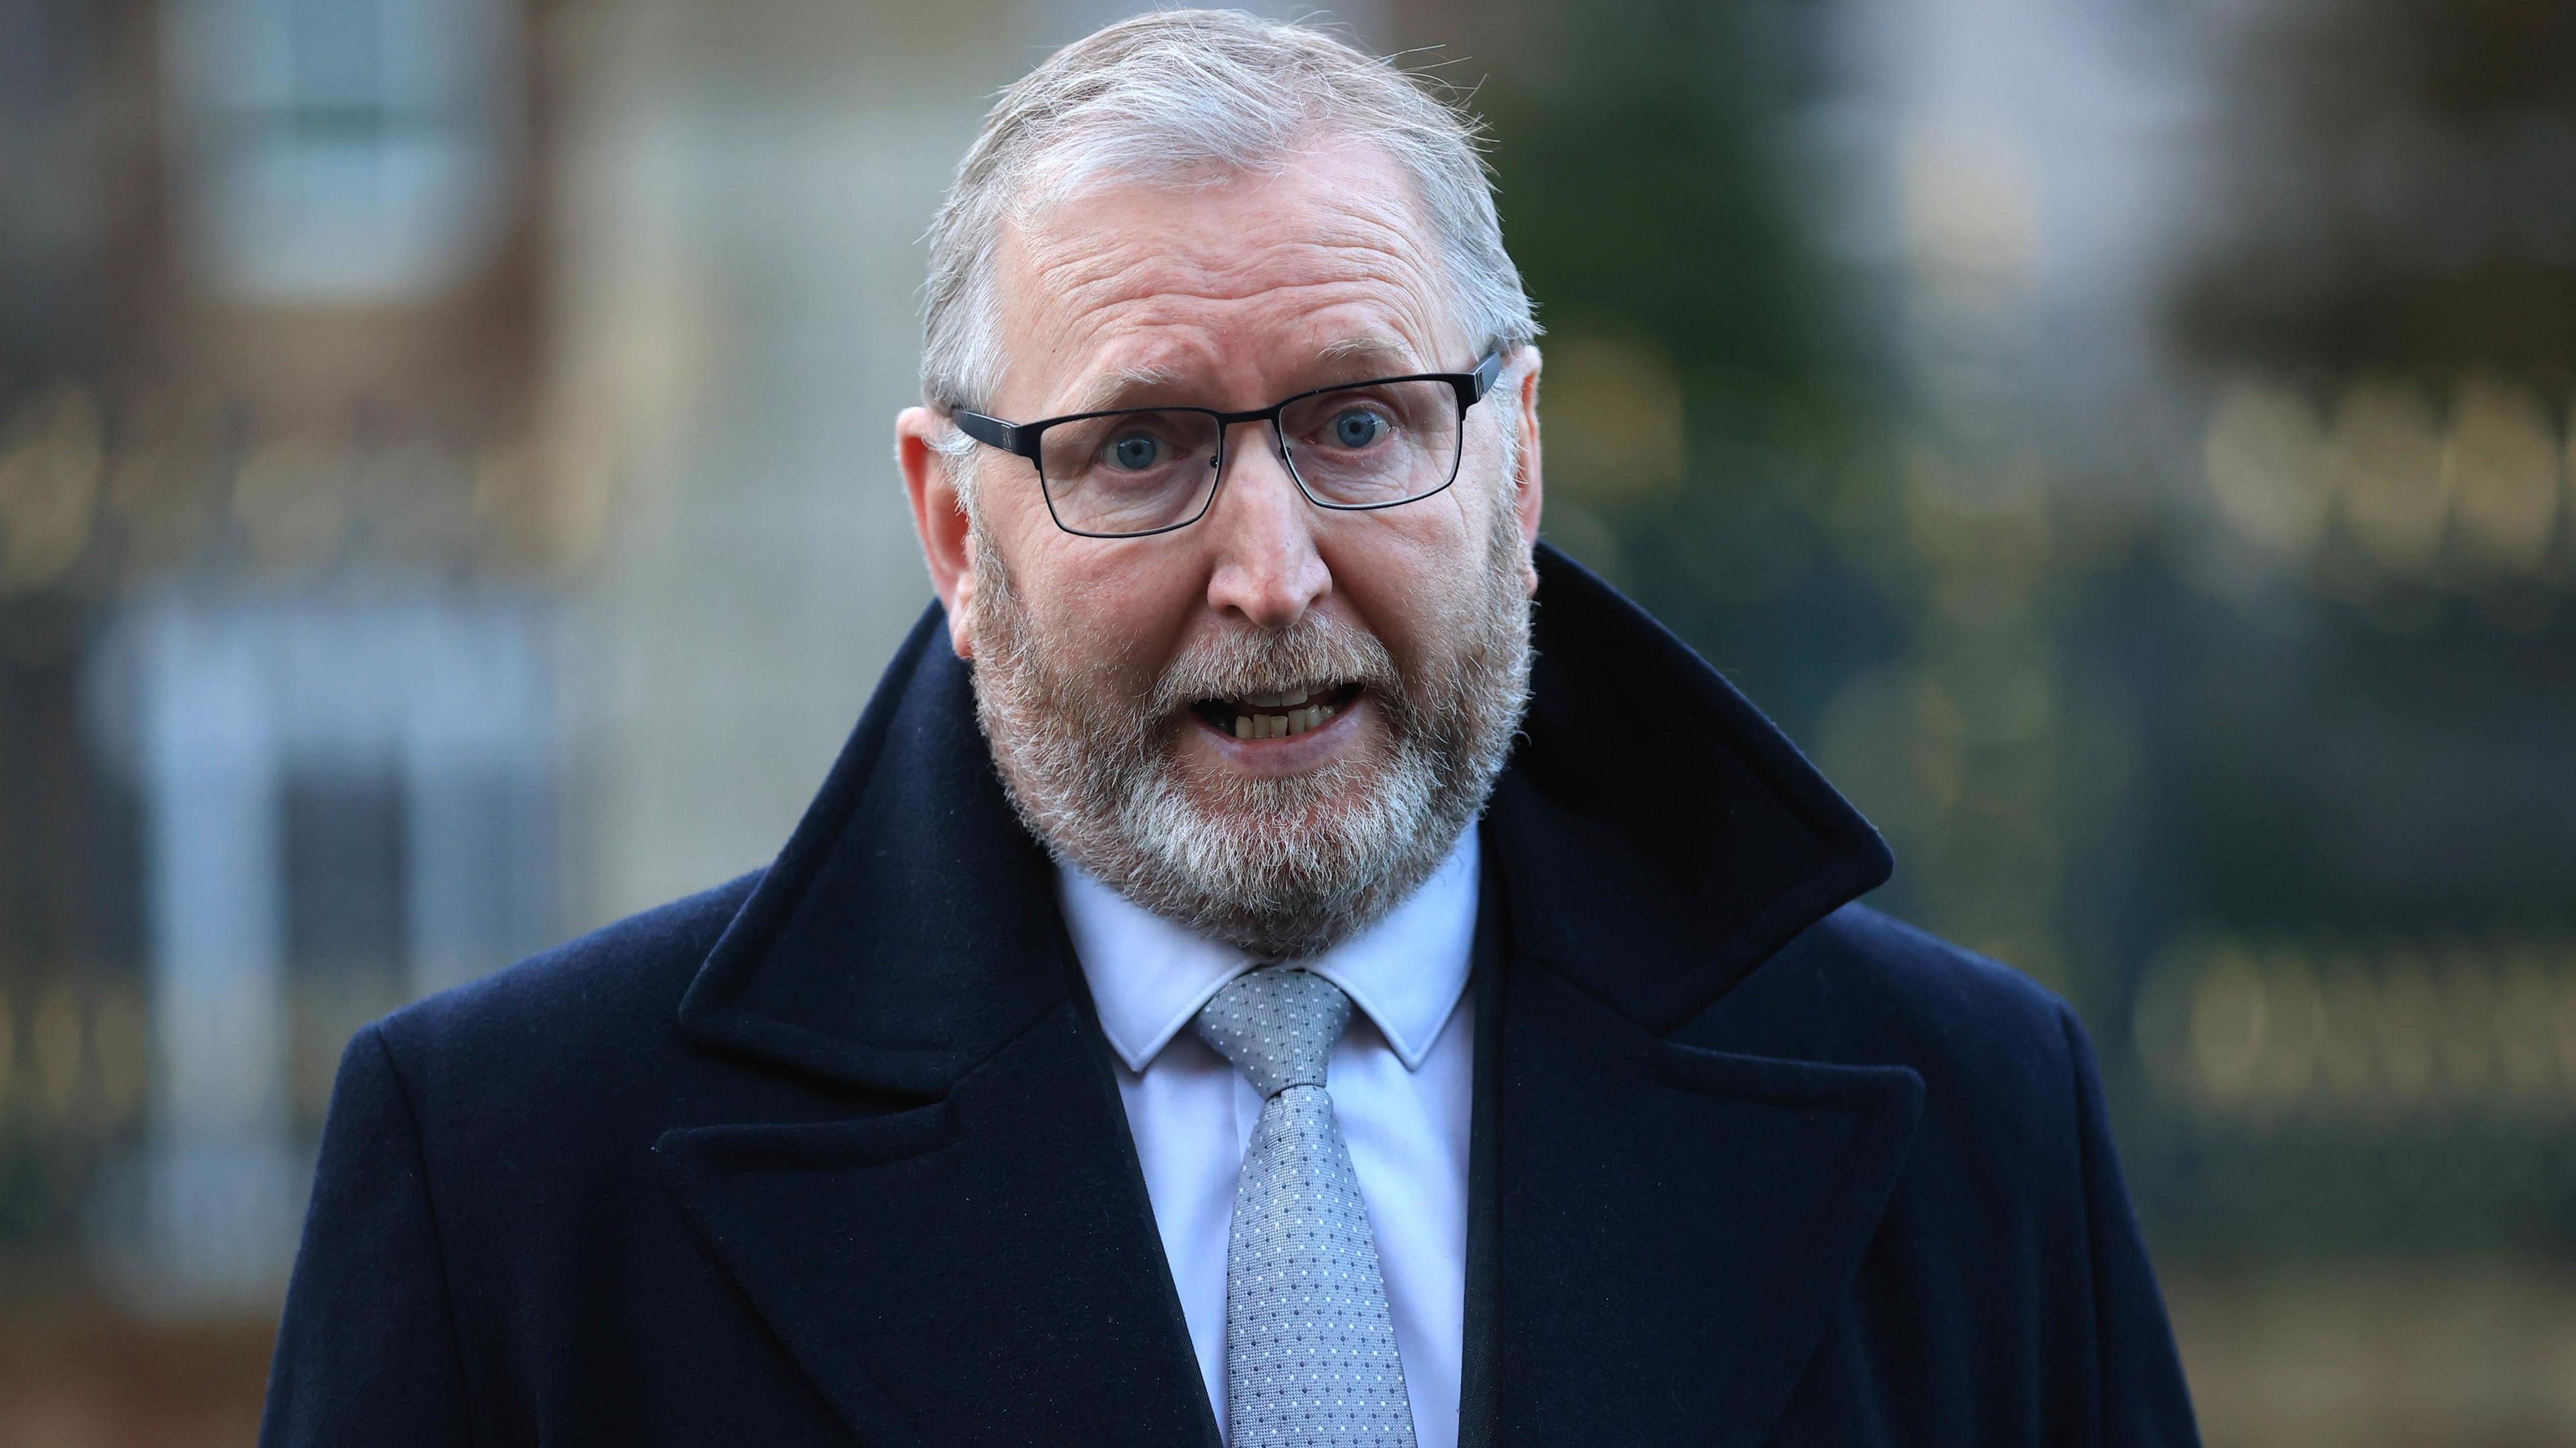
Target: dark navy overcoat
[[834, 1154]]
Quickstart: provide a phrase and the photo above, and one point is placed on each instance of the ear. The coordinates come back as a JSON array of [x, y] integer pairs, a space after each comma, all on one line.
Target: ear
[[939, 517], [1527, 489]]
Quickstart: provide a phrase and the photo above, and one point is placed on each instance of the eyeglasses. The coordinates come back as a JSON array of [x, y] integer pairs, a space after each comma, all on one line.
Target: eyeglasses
[[1132, 472]]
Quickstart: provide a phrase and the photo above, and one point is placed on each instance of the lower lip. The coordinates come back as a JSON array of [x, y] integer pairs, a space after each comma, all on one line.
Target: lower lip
[[1293, 754]]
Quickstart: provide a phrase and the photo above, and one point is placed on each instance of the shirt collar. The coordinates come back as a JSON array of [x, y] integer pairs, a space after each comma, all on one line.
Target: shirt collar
[[1149, 976]]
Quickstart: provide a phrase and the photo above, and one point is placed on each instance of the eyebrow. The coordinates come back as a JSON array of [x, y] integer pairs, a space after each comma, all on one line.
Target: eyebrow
[[1113, 389], [1108, 389], [1374, 348]]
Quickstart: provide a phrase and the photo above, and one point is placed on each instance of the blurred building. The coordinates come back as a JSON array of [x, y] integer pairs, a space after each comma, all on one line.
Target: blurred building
[[445, 504], [278, 582]]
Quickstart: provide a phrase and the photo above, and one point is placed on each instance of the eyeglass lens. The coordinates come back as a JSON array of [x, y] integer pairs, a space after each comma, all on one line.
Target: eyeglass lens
[[1354, 447]]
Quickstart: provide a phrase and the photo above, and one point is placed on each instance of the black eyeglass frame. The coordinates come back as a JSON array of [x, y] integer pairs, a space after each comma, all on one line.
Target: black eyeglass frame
[[1022, 438]]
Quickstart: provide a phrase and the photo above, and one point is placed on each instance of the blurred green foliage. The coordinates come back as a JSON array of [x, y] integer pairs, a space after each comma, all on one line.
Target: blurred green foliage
[[1706, 405]]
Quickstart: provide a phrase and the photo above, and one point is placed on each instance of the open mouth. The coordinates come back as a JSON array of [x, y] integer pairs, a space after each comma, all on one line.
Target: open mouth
[[1277, 716]]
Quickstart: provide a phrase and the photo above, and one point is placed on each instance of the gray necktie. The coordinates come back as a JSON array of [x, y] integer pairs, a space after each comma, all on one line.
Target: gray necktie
[[1310, 1357]]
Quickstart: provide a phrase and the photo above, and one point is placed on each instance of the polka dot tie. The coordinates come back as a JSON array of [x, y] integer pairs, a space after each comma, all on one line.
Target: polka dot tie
[[1310, 1358]]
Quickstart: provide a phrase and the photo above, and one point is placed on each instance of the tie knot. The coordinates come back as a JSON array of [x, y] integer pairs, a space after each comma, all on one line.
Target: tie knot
[[1277, 1025]]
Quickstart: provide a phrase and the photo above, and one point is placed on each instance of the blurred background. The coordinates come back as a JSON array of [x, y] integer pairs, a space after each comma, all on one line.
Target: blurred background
[[445, 504]]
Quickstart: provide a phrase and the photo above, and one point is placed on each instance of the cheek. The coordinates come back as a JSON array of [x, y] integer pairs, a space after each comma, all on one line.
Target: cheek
[[1116, 615], [1413, 578]]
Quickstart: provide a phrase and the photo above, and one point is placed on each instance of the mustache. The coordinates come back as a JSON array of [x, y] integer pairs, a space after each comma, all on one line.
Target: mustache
[[1313, 653]]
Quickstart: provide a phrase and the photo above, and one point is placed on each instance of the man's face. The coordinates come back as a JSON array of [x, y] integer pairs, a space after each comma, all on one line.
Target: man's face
[[1116, 679]]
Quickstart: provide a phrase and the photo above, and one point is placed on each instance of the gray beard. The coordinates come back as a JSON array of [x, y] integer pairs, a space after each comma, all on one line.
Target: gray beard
[[1281, 868]]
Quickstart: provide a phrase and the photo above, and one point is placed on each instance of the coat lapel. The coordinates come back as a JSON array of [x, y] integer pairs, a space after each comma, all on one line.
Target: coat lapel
[[979, 1270], [942, 1219], [1676, 1227]]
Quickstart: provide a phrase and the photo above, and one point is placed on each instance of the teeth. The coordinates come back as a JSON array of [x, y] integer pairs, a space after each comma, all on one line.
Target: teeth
[[1280, 722], [1276, 701]]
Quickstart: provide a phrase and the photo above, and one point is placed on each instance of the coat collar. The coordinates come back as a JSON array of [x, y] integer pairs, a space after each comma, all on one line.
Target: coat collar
[[1672, 1228], [1661, 837], [909, 928], [1666, 1230]]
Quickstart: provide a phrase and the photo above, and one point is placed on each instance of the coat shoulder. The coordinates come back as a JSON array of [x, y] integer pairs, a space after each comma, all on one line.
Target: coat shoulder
[[577, 1015], [1909, 982], [2008, 1234], [1999, 1053]]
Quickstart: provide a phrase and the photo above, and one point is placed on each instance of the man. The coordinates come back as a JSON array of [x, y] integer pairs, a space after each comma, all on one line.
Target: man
[[1243, 982]]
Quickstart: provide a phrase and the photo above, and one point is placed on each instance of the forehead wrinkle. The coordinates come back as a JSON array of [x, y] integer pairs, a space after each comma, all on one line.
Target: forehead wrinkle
[[1096, 278], [1342, 238], [1092, 292], [1369, 209]]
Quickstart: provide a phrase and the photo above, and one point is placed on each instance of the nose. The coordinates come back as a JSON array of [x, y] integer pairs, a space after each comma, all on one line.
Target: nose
[[1268, 569]]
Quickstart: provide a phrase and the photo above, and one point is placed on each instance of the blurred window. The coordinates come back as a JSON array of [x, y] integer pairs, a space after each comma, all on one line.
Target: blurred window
[[343, 149], [343, 873], [345, 804]]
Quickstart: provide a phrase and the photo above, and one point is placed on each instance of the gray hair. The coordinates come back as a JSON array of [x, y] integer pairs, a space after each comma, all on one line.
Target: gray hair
[[1171, 95]]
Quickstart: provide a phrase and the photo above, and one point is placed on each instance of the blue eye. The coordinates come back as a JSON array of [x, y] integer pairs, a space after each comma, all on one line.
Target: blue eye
[[1357, 427], [1135, 452]]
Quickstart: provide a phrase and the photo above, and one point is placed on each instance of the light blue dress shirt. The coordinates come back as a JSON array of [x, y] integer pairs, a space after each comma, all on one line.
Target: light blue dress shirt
[[1403, 1085]]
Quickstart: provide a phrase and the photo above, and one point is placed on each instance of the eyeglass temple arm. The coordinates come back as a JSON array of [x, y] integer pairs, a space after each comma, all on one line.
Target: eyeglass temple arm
[[994, 432], [1473, 387]]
